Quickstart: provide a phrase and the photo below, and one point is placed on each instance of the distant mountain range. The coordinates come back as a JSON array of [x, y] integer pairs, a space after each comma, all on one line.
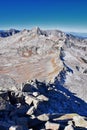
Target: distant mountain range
[[6, 33], [81, 35]]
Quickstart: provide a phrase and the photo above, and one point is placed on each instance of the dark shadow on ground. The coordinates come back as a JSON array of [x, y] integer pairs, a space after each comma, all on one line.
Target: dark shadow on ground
[[61, 100]]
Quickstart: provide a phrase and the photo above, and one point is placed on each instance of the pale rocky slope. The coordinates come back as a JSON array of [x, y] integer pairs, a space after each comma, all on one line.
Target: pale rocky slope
[[30, 55], [75, 60]]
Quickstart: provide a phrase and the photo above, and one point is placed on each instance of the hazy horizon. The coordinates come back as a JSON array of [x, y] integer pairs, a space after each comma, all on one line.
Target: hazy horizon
[[65, 15], [46, 28]]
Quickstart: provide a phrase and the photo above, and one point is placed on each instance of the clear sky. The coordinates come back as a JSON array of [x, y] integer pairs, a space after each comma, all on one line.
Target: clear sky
[[68, 15]]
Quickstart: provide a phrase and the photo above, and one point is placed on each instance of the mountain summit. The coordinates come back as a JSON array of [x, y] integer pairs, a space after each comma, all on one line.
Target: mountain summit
[[36, 30]]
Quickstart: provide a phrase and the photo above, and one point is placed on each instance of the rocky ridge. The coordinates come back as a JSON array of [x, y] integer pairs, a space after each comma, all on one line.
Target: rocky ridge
[[42, 106]]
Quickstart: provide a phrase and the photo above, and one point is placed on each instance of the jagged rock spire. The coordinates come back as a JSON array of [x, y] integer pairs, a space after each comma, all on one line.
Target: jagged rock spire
[[36, 30]]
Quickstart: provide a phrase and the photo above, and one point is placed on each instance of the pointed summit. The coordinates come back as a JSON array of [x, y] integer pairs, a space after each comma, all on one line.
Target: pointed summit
[[37, 30]]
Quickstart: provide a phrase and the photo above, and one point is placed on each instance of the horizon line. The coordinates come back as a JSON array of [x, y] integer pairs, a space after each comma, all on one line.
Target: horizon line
[[63, 29]]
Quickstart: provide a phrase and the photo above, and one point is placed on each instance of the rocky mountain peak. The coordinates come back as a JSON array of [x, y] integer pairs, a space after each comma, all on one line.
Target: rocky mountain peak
[[36, 30]]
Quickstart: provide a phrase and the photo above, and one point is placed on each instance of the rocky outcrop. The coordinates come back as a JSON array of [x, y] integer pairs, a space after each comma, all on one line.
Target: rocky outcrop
[[46, 106], [69, 127], [52, 126], [80, 121]]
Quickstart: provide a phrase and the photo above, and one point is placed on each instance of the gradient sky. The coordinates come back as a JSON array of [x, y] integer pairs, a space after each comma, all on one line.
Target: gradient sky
[[68, 15]]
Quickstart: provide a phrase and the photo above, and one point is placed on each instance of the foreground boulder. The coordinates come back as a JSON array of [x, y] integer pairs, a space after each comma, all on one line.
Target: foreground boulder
[[42, 109], [42, 98], [52, 126], [69, 127], [31, 110], [31, 100], [80, 121], [43, 117]]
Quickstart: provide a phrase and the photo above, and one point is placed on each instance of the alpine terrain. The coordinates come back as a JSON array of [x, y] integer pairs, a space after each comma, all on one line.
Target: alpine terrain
[[43, 80]]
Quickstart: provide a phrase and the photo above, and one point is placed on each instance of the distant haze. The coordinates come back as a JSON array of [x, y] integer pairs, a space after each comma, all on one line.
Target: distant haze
[[79, 34], [66, 15]]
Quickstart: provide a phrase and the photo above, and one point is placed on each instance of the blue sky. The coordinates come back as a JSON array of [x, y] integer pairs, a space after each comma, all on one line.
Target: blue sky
[[68, 15]]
